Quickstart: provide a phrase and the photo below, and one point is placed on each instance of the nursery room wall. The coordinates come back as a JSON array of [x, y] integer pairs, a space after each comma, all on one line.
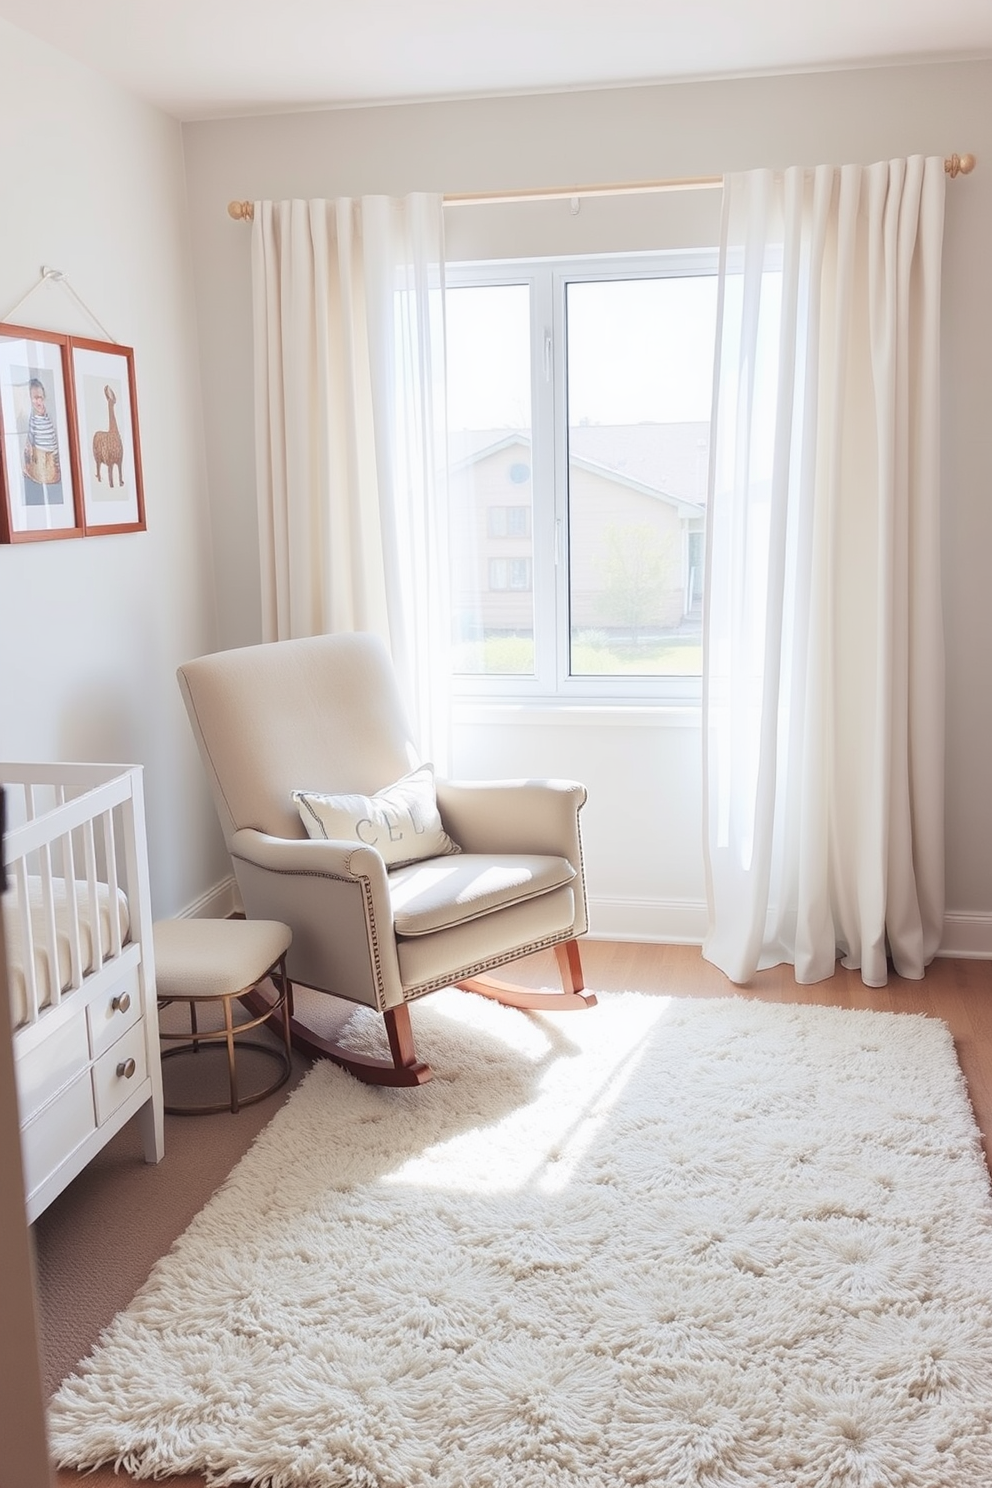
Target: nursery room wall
[[643, 820], [93, 629]]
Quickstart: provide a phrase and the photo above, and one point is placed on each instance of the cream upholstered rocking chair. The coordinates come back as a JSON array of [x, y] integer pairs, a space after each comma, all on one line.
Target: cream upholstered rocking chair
[[373, 920]]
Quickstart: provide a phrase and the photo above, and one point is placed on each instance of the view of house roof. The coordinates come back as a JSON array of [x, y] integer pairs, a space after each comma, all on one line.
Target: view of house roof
[[670, 460]]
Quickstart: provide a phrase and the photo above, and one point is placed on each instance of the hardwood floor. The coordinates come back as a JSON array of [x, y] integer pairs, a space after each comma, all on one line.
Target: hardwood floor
[[959, 992]]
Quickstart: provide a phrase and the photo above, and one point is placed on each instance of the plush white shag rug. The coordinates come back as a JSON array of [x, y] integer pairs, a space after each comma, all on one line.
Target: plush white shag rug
[[717, 1243]]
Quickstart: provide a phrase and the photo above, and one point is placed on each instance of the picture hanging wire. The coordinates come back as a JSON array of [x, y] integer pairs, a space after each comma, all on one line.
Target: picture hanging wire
[[49, 275]]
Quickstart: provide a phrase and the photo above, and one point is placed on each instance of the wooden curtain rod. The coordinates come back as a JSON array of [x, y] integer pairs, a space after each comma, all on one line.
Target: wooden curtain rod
[[244, 211], [559, 193]]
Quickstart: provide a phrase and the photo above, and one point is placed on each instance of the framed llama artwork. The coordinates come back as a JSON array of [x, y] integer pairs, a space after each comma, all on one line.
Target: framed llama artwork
[[39, 472], [106, 420]]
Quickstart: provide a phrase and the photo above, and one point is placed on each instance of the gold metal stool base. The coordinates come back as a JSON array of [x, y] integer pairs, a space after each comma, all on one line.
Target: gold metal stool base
[[236, 1101], [228, 1039]]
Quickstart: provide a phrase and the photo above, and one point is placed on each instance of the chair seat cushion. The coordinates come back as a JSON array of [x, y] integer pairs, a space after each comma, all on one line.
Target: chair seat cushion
[[442, 892]]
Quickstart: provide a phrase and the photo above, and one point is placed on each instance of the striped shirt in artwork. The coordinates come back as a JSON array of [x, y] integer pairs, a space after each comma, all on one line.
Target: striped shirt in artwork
[[41, 433]]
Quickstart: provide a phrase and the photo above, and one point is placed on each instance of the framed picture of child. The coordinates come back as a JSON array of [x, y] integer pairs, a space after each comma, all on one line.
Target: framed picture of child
[[38, 468], [106, 414]]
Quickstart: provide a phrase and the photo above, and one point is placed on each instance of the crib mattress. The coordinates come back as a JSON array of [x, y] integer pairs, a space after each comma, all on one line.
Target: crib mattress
[[48, 976]]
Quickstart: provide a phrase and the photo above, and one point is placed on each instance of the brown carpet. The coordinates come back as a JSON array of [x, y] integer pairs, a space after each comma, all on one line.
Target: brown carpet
[[97, 1242]]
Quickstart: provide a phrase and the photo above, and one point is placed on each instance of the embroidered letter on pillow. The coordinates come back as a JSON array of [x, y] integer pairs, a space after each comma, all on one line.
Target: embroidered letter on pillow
[[402, 821]]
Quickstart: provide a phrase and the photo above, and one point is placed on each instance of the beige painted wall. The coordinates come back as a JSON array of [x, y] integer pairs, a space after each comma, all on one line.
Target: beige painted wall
[[92, 630], [623, 135]]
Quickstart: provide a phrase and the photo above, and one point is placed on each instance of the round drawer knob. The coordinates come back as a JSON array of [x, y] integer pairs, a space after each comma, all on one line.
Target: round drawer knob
[[122, 1003], [126, 1068]]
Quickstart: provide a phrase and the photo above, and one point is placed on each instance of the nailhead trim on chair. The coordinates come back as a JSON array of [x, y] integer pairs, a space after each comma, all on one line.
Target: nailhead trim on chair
[[473, 969], [409, 993], [365, 884], [582, 870]]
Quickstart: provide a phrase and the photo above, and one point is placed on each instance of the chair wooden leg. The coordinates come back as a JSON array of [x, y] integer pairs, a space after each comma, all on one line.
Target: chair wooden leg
[[570, 999], [403, 1069], [400, 1035], [570, 966]]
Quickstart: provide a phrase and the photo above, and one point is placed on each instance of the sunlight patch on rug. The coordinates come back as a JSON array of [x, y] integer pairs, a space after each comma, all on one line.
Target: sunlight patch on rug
[[690, 1243]]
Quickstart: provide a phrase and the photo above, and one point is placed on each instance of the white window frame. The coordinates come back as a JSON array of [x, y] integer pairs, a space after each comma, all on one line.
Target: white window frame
[[547, 279]]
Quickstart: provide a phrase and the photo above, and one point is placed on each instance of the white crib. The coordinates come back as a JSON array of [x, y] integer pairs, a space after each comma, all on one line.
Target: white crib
[[77, 917]]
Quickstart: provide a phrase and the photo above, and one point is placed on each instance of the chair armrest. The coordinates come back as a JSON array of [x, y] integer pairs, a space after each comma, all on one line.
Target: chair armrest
[[335, 897], [514, 816], [351, 860]]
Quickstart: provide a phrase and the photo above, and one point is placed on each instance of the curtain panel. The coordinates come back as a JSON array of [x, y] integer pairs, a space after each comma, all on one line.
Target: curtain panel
[[823, 648], [348, 320]]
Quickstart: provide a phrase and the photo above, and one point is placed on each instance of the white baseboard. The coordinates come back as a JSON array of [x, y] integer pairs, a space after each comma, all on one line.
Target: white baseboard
[[667, 921], [216, 904], [968, 936], [683, 922]]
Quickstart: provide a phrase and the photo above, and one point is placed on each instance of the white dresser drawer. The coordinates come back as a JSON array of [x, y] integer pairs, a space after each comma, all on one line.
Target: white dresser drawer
[[118, 1072], [113, 1013], [59, 1129], [52, 1064]]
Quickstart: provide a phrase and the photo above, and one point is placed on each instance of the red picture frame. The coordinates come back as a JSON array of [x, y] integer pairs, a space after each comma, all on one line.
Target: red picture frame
[[70, 451], [39, 469], [105, 407]]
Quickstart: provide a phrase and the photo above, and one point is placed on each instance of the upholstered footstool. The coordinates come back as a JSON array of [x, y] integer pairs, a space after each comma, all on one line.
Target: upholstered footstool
[[218, 961]]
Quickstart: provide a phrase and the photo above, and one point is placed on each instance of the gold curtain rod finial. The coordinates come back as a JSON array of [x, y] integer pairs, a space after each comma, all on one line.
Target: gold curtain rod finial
[[959, 165], [241, 211]]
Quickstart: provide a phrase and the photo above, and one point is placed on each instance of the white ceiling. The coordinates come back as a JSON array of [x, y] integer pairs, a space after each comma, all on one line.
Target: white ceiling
[[206, 58]]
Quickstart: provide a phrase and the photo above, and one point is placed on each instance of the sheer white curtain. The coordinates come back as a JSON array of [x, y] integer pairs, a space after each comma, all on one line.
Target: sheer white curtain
[[349, 431], [823, 670]]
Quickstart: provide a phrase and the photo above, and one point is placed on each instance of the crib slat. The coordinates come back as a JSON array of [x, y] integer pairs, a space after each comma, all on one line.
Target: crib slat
[[29, 970], [96, 928], [68, 867], [49, 929], [113, 908], [72, 905]]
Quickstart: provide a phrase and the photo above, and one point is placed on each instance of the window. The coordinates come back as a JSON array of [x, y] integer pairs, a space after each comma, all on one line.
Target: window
[[578, 414], [510, 521], [509, 573]]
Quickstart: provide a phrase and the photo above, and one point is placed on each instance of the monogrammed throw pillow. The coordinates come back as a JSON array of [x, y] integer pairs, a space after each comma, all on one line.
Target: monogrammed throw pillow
[[401, 821]]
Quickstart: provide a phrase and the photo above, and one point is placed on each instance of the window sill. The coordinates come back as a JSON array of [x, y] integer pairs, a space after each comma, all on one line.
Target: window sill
[[603, 714]]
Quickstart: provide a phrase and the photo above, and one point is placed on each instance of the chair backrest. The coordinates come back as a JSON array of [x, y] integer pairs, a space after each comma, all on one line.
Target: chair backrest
[[321, 714]]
